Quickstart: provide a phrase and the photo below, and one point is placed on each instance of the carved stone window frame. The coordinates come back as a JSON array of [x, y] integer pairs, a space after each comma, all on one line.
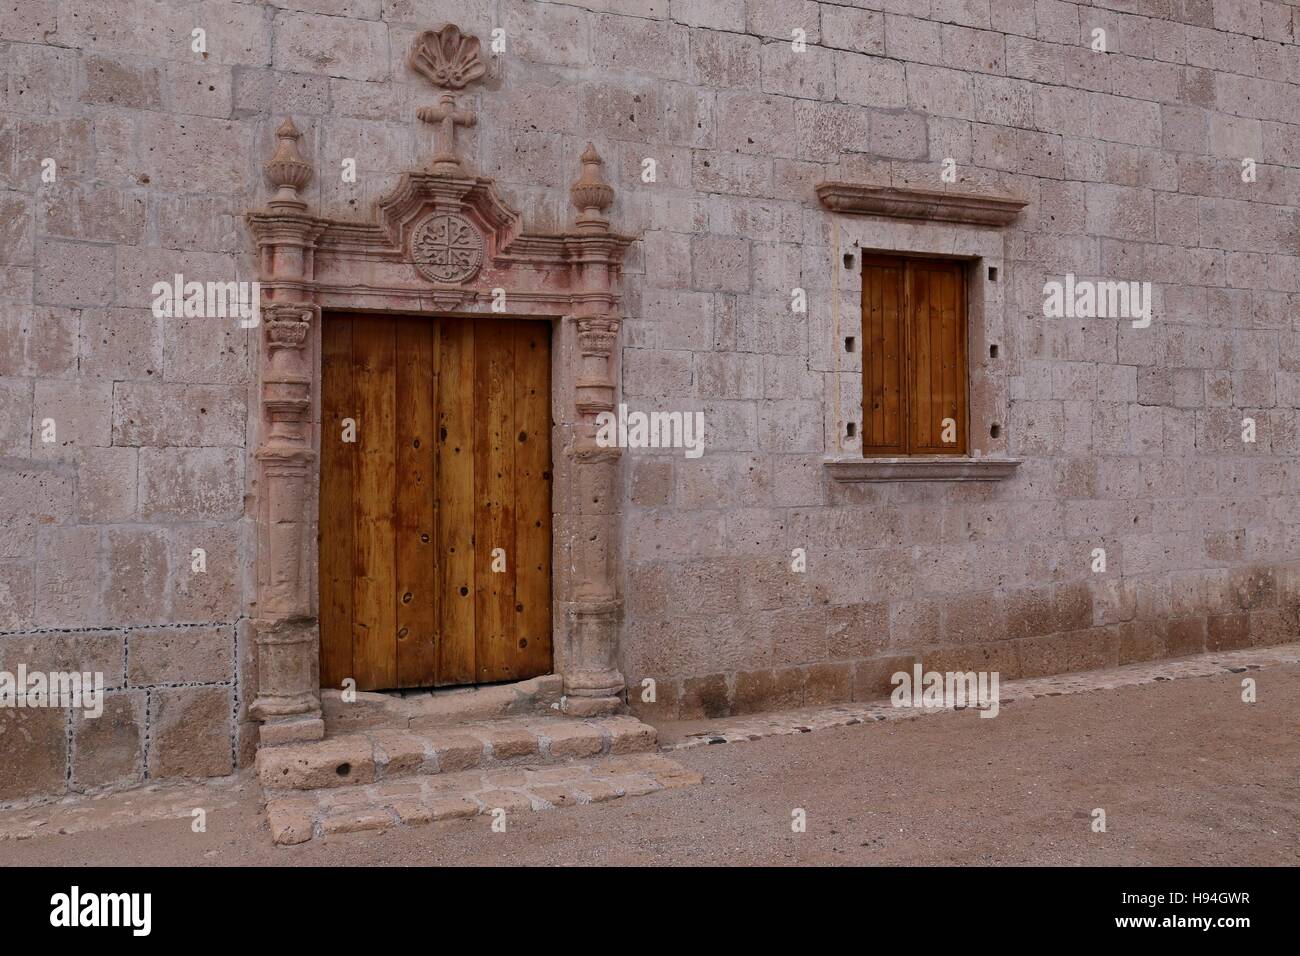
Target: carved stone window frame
[[946, 225], [440, 244]]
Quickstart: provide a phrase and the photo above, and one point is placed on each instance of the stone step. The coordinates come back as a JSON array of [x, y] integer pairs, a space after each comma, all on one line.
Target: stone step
[[380, 754], [298, 816]]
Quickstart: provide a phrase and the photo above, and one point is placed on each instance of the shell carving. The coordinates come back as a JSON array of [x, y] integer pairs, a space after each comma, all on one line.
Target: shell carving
[[449, 58]]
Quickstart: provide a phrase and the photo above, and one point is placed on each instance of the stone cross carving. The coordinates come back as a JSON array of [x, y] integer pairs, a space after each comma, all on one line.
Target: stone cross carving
[[445, 114], [450, 60]]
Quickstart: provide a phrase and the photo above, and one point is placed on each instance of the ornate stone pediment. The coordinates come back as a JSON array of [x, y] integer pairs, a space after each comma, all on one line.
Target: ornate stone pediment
[[448, 228]]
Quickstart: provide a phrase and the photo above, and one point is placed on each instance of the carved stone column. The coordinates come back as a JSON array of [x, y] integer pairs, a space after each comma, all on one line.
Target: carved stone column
[[592, 681], [287, 638]]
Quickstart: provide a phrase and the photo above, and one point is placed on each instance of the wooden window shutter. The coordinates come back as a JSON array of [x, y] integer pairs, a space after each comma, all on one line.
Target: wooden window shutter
[[914, 357], [884, 410]]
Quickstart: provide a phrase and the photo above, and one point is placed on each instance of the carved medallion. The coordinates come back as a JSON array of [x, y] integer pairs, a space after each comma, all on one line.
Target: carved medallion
[[446, 247]]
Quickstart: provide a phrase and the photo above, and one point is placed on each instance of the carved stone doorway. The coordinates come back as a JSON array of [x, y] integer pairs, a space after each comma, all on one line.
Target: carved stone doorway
[[443, 242]]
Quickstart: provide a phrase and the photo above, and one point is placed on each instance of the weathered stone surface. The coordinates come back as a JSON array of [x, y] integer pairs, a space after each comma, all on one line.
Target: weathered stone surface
[[455, 751], [190, 655], [33, 751], [627, 735], [328, 763], [291, 820], [511, 801], [190, 483], [506, 742], [570, 739], [136, 579], [399, 752], [556, 795], [190, 732], [108, 750], [356, 821], [452, 808]]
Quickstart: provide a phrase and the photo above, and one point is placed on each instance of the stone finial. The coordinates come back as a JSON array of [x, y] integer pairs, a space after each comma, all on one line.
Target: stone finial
[[447, 57], [286, 170], [591, 195]]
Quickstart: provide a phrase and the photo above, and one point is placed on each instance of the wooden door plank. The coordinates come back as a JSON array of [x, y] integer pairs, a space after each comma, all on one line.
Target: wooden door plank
[[417, 622], [374, 636], [334, 525], [456, 502], [494, 485], [532, 480]]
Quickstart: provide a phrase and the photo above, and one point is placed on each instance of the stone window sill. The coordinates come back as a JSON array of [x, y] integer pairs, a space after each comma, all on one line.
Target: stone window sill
[[920, 468]]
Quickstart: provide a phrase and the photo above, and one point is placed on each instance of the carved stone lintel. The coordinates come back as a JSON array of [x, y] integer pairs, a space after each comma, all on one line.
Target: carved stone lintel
[[899, 203]]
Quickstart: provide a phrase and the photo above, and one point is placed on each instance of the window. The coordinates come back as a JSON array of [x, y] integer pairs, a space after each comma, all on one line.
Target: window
[[913, 357]]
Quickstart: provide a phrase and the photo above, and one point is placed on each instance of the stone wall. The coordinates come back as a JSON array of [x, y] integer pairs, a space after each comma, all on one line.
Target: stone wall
[[1130, 161]]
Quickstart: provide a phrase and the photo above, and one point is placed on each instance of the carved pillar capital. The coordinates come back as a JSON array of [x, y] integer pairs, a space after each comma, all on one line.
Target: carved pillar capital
[[597, 334], [286, 378], [288, 324]]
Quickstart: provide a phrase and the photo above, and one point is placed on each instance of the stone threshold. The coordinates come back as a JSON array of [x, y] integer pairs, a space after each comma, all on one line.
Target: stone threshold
[[808, 719], [379, 754], [375, 808], [419, 710]]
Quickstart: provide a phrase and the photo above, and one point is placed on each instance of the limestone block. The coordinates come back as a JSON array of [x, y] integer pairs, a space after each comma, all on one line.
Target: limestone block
[[190, 655], [33, 751], [108, 750], [191, 482], [336, 762]]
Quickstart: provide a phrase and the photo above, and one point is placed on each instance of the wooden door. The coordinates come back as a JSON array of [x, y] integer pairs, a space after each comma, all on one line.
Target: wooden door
[[435, 501]]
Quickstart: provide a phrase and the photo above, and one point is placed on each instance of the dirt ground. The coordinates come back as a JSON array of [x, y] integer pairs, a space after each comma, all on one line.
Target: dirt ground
[[1186, 772]]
